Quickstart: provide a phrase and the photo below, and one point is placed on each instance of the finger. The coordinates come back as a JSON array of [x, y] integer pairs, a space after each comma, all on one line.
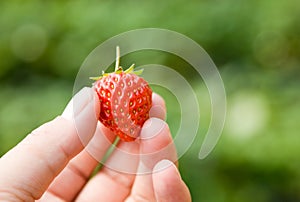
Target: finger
[[71, 180], [158, 108], [156, 145], [27, 170], [167, 183], [117, 174]]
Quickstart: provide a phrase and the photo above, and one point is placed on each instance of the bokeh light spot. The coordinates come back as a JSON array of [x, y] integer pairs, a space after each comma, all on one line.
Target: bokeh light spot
[[28, 42], [247, 115]]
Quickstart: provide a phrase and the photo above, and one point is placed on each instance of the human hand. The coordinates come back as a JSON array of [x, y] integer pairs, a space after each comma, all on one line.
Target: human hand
[[53, 164]]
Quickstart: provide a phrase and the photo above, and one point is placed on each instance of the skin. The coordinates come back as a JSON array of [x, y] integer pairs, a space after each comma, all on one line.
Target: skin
[[52, 163]]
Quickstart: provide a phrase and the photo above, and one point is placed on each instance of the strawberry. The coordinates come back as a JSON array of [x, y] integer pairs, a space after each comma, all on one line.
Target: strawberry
[[125, 101]]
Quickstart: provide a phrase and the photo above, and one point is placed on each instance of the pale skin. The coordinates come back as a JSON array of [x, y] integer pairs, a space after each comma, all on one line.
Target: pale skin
[[52, 163]]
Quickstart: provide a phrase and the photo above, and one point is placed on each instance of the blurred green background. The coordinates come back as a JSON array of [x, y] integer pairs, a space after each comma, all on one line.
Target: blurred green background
[[255, 45]]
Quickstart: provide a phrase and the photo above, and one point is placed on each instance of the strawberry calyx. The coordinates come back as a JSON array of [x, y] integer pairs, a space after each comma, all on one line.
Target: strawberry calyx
[[118, 68]]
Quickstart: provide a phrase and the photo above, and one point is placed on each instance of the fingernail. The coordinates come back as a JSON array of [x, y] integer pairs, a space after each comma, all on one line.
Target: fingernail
[[162, 165], [152, 127], [76, 105], [83, 112]]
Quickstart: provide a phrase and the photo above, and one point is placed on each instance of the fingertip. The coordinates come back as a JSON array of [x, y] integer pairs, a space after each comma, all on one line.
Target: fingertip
[[153, 127], [165, 165], [83, 111], [167, 183], [158, 108], [158, 100], [82, 99]]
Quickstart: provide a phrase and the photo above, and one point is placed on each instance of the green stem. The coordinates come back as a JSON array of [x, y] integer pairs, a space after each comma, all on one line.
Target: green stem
[[117, 58]]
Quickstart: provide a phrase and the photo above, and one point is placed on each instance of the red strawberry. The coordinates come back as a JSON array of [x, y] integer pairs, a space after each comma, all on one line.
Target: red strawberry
[[125, 101]]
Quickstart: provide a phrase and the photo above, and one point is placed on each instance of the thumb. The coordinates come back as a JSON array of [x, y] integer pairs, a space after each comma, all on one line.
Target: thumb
[[167, 183], [27, 170]]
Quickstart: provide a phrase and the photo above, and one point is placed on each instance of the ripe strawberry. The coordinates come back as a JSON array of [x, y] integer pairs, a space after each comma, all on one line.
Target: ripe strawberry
[[125, 101]]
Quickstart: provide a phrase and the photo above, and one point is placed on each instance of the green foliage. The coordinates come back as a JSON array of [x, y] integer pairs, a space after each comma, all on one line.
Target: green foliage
[[255, 44]]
